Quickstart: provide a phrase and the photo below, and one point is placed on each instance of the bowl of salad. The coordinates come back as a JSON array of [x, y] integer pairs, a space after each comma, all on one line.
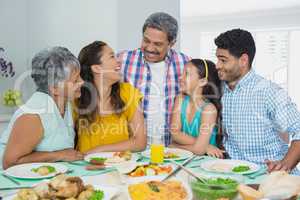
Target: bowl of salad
[[210, 190]]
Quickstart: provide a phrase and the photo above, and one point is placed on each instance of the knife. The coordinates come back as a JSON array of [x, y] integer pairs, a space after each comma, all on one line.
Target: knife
[[15, 188], [177, 169]]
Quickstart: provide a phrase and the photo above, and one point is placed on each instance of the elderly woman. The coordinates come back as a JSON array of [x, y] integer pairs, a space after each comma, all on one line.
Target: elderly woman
[[109, 118], [42, 129]]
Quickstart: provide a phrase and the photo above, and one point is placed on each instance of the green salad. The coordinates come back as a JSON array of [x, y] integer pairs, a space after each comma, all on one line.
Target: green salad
[[205, 192], [97, 195], [50, 169], [221, 181], [241, 168]]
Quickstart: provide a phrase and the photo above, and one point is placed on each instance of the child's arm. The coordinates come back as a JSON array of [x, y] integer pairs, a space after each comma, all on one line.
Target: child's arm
[[201, 143], [179, 138]]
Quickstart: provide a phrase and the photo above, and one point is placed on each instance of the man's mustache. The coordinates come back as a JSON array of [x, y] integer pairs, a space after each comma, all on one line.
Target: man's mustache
[[152, 52]]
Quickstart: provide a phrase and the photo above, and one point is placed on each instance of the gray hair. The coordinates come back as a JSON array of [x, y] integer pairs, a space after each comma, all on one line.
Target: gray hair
[[164, 22], [51, 66]]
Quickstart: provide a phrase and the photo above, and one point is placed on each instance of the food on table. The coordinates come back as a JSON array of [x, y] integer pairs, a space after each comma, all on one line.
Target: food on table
[[221, 181], [248, 193], [241, 168], [97, 160], [221, 167], [167, 190], [207, 192], [97, 195], [150, 169], [95, 167], [280, 185], [44, 170], [119, 157], [61, 187], [124, 154], [170, 155]]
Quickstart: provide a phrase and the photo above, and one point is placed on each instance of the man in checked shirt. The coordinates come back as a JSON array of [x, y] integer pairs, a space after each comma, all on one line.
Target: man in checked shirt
[[255, 110], [155, 69]]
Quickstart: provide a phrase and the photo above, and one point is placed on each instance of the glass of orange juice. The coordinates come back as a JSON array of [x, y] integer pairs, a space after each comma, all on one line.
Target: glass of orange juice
[[157, 150]]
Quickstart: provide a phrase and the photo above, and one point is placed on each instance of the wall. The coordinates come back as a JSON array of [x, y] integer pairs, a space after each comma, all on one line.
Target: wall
[[191, 27], [132, 15], [30, 25], [72, 23], [13, 38], [276, 19]]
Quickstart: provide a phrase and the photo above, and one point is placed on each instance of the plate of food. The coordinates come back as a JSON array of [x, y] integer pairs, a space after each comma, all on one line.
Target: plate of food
[[171, 154], [65, 187], [36, 170], [153, 188], [139, 171], [148, 169], [110, 158], [230, 166]]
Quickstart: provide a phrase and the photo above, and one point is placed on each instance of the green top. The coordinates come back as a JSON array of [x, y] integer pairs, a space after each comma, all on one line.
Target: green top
[[192, 128]]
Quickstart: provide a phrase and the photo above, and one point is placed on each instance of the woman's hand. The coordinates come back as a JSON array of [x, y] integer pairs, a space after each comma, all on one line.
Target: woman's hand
[[214, 151], [69, 155]]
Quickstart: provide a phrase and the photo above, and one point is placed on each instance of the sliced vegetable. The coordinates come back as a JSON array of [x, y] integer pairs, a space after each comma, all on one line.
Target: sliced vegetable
[[153, 187], [241, 168], [98, 160]]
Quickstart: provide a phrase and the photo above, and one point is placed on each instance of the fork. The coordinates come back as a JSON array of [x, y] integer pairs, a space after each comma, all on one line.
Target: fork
[[11, 179]]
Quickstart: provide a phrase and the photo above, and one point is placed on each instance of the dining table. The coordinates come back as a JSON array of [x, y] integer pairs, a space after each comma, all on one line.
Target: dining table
[[112, 177]]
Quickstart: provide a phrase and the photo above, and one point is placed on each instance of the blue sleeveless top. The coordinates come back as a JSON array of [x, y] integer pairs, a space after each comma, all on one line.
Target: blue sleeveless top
[[58, 131], [192, 128]]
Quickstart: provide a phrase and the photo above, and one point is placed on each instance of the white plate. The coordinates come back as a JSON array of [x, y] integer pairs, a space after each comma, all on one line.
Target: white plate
[[226, 166], [183, 154], [109, 192], [108, 155], [159, 178], [24, 171]]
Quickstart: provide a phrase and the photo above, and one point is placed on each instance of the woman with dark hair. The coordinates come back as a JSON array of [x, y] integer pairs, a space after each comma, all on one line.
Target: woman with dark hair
[[195, 113], [108, 117]]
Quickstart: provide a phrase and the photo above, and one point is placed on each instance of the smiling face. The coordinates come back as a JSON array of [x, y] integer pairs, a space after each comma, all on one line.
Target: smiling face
[[228, 66], [189, 80], [73, 84], [70, 88], [155, 45], [110, 67]]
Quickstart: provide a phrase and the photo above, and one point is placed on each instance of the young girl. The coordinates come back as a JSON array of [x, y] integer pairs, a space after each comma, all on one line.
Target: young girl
[[195, 111]]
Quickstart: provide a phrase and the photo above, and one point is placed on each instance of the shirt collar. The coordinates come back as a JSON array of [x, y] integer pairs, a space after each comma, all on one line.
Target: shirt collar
[[243, 82]]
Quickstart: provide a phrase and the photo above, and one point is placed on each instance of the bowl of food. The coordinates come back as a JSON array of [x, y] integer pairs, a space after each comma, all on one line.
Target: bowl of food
[[214, 187], [153, 188]]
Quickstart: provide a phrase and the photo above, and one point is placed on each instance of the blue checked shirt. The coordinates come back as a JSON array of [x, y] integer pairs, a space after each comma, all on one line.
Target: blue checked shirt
[[254, 114], [137, 72]]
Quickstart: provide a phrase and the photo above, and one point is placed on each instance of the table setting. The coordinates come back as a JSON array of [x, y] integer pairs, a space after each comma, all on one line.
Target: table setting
[[126, 178]]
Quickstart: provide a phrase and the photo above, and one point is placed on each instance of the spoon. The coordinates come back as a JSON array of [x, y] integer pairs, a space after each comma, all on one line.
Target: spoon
[[201, 179]]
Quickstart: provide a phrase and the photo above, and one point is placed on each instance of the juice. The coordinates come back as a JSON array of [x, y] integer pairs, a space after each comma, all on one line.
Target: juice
[[157, 153]]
